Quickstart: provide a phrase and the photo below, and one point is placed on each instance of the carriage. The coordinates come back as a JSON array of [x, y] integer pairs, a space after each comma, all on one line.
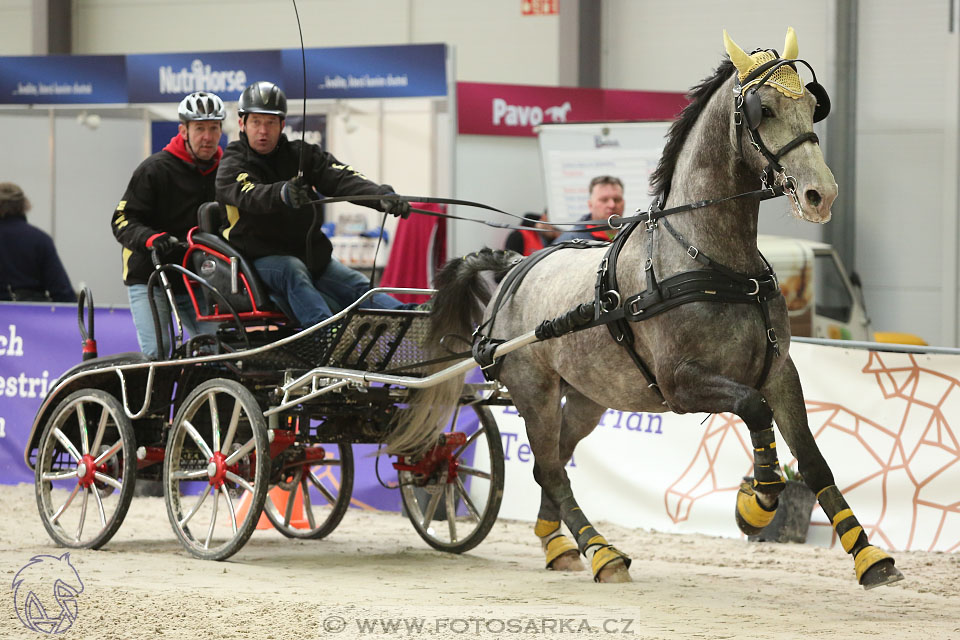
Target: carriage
[[259, 418]]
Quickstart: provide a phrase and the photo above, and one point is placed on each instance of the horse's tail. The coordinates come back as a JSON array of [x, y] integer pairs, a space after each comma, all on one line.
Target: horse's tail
[[464, 288]]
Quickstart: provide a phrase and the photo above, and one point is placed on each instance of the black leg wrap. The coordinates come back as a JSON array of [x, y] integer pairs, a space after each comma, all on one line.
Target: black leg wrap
[[874, 568], [766, 468]]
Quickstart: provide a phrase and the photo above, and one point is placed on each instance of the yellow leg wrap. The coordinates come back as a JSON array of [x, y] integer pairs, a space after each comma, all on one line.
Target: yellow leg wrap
[[605, 556], [850, 538], [545, 528], [868, 556], [750, 509], [558, 546]]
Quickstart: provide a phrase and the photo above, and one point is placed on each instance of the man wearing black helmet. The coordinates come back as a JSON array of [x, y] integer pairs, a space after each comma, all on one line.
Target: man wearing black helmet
[[268, 217], [160, 206]]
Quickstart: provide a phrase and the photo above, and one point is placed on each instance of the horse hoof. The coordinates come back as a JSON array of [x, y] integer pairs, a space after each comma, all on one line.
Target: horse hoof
[[880, 574], [615, 571], [569, 561], [752, 517]]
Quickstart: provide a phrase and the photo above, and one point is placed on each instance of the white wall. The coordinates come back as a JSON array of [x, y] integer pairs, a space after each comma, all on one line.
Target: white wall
[[902, 121], [495, 43], [16, 27]]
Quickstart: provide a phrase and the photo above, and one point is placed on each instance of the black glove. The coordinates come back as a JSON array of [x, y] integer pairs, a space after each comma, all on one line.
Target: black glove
[[164, 243], [294, 194], [399, 208]]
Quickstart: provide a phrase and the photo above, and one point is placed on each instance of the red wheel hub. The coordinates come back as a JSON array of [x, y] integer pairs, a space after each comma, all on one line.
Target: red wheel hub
[[86, 471], [217, 469]]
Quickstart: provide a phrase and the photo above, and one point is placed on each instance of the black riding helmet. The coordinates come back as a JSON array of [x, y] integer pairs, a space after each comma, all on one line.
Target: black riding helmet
[[263, 97]]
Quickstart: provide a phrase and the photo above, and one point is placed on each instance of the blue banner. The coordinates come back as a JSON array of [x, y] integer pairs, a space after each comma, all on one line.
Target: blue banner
[[62, 80], [38, 342], [166, 77], [400, 71]]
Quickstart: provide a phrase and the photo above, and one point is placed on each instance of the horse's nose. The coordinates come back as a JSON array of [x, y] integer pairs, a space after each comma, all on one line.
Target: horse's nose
[[819, 200]]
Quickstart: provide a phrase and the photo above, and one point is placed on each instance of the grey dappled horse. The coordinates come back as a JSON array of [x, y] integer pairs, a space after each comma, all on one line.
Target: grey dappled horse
[[705, 356]]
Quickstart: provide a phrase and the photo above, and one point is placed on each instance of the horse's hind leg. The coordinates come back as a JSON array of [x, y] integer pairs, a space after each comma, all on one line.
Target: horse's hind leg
[[874, 567], [579, 418], [542, 415]]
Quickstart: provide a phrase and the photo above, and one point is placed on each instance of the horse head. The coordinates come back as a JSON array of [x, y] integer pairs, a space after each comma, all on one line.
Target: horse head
[[772, 125], [45, 593]]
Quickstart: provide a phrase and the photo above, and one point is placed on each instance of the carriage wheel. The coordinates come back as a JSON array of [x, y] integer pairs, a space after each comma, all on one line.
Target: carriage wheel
[[455, 512], [315, 494], [85, 470], [216, 469]]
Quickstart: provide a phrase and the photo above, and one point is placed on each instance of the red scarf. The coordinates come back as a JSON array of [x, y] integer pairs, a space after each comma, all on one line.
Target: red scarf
[[532, 241], [178, 147]]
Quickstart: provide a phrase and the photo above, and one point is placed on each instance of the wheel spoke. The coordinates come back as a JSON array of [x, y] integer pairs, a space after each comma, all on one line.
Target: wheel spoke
[[476, 434], [470, 471], [195, 436], [322, 489], [230, 508], [307, 504], [214, 419], [189, 475], [101, 428], [50, 476], [196, 506], [232, 477], [472, 508], [84, 441], [242, 451], [105, 479], [232, 427], [213, 519], [451, 511], [288, 514], [63, 507], [431, 509], [83, 515], [103, 515], [62, 439], [109, 453]]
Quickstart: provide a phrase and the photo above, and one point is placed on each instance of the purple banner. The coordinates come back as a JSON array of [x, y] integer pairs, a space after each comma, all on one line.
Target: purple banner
[[38, 342]]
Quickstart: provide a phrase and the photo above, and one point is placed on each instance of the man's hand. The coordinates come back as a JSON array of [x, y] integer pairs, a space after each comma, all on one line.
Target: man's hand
[[164, 243], [294, 194], [399, 208]]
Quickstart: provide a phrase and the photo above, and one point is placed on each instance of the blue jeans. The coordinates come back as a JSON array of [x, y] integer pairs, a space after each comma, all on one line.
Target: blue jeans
[[143, 318], [313, 300]]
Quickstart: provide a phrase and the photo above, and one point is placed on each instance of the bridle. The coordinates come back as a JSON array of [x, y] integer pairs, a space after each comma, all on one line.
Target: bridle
[[748, 112]]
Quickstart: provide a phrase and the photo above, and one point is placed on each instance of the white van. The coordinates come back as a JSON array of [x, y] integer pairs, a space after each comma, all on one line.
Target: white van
[[823, 300]]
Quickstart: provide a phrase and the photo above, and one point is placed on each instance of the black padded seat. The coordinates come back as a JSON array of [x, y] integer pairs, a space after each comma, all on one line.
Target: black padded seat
[[209, 220]]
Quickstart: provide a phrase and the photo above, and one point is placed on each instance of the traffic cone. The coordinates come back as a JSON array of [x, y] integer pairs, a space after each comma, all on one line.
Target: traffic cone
[[279, 497]]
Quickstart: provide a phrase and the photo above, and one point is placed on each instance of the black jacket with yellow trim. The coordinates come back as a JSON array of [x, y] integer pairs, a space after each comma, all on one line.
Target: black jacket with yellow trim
[[163, 194], [258, 222]]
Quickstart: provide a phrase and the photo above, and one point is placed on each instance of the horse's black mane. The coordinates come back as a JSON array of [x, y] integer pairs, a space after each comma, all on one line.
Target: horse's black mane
[[699, 96]]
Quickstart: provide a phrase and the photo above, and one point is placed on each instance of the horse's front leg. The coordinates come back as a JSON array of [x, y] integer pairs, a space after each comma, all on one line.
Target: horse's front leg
[[873, 566], [694, 388]]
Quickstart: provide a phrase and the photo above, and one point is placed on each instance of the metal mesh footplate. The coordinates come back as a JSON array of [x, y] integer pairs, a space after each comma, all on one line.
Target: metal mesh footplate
[[367, 340]]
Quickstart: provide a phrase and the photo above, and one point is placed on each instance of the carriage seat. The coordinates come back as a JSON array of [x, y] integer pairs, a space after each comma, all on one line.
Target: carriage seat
[[209, 256]]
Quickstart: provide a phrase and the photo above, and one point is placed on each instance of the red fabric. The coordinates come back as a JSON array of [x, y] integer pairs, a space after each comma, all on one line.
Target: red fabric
[[532, 241], [412, 262], [178, 147]]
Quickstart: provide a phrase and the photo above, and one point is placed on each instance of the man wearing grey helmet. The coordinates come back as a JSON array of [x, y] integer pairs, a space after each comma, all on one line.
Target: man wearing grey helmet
[[269, 217], [160, 206]]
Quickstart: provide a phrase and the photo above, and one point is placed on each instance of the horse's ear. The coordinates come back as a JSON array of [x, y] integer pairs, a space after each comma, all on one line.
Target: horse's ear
[[738, 56], [790, 48]]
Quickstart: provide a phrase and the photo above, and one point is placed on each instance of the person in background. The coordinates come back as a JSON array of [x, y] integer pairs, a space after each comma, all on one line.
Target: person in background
[[525, 241], [160, 206], [268, 214], [30, 268], [606, 199]]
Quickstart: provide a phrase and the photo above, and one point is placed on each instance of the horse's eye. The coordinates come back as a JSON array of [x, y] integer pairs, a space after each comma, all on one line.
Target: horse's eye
[[766, 111]]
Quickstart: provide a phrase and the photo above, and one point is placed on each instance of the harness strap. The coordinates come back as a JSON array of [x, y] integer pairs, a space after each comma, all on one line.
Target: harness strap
[[483, 345]]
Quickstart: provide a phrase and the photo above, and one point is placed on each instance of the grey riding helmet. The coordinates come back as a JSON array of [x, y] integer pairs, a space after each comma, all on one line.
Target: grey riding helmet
[[263, 97], [201, 106]]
